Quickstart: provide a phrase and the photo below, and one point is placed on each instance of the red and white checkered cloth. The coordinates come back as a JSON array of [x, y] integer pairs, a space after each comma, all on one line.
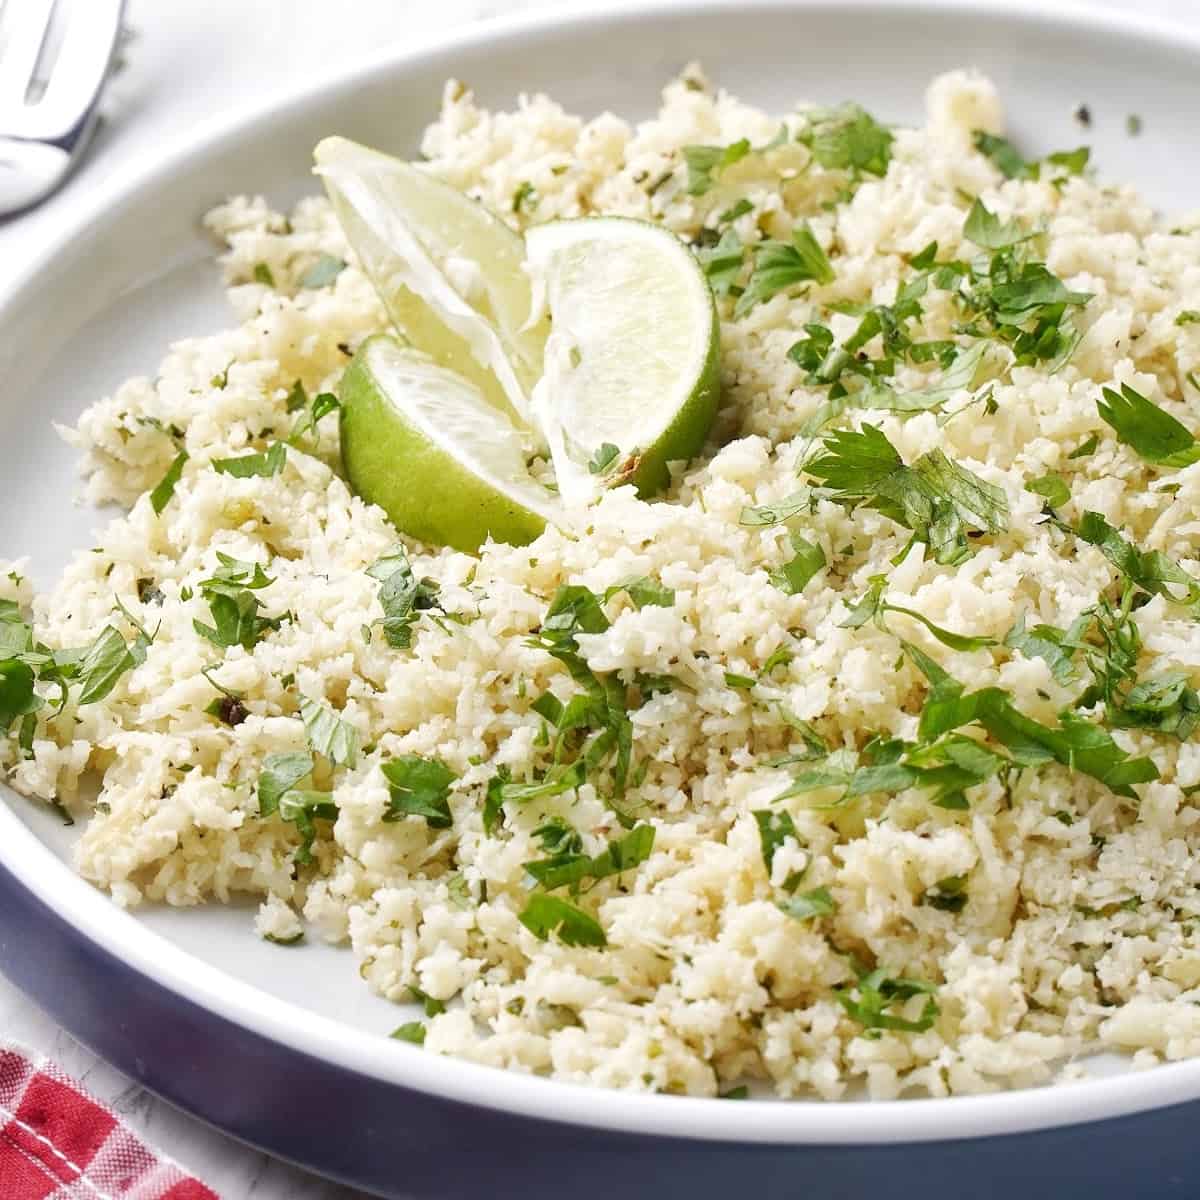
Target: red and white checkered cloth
[[57, 1143]]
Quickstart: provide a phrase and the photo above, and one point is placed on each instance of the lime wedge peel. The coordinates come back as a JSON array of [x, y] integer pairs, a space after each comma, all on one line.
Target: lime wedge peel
[[422, 442], [417, 238], [632, 359]]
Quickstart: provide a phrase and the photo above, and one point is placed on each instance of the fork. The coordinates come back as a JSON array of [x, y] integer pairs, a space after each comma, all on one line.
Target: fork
[[49, 102]]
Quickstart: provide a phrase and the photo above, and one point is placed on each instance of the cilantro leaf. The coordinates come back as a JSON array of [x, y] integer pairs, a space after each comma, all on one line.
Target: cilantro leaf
[[1052, 488], [103, 664], [847, 138], [1006, 158], [985, 229], [644, 592], [545, 915], [281, 773], [1153, 434], [322, 405], [411, 1031], [1165, 703], [301, 808], [604, 459], [947, 895], [160, 497], [722, 263], [569, 867], [323, 272], [419, 787], [1151, 570], [934, 497], [794, 575], [775, 514], [402, 596], [774, 828], [706, 162], [805, 906], [262, 465], [870, 1000], [780, 265], [1188, 316], [234, 606], [1047, 643], [329, 734], [17, 697]]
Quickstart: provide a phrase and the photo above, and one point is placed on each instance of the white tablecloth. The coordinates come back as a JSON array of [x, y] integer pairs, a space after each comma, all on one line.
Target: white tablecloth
[[185, 61]]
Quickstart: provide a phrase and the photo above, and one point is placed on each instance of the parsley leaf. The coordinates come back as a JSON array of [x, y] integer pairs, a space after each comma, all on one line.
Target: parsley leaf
[[1153, 434], [402, 596], [263, 465], [780, 265], [934, 497], [419, 787], [545, 915], [328, 734], [160, 497], [281, 773], [706, 162], [794, 575]]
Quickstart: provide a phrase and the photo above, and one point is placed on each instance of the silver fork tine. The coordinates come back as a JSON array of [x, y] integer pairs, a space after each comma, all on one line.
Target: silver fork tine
[[83, 62], [28, 23]]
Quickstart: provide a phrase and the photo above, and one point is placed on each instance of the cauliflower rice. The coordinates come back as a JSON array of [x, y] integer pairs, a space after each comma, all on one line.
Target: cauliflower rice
[[1047, 918]]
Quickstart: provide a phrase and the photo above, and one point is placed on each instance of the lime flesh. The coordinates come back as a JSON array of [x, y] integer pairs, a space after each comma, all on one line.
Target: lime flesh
[[633, 357], [422, 442], [448, 271]]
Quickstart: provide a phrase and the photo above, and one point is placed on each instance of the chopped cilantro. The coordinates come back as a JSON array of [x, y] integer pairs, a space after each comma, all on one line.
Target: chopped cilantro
[[870, 1000], [411, 1031], [1052, 488], [301, 808], [281, 773], [102, 665], [1084, 449], [847, 138], [160, 497], [262, 274], [1046, 642], [1152, 433], [545, 915], [323, 403], [873, 607], [935, 498], [775, 514], [569, 867], [1188, 316], [525, 197], [722, 262], [263, 465], [741, 682], [1151, 570], [1012, 165], [947, 895], [644, 592], [780, 265], [774, 828], [234, 606], [604, 459], [740, 209], [328, 734], [402, 596], [419, 787], [323, 272], [795, 574], [704, 163], [806, 905]]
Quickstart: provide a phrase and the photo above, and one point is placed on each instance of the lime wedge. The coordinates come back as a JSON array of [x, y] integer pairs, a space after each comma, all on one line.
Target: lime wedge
[[632, 364], [448, 271], [423, 443]]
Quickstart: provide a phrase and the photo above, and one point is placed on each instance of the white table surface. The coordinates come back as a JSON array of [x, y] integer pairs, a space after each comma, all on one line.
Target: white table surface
[[186, 60]]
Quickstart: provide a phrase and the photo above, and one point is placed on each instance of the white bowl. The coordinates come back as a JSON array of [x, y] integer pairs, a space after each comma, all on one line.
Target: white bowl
[[285, 1048]]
